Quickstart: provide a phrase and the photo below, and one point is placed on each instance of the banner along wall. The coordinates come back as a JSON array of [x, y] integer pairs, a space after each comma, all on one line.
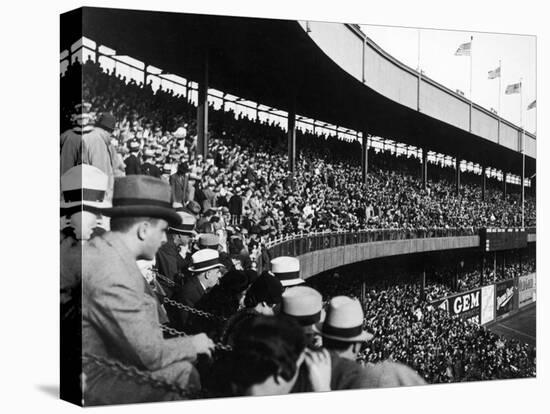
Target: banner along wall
[[487, 304], [466, 305], [505, 292], [527, 289]]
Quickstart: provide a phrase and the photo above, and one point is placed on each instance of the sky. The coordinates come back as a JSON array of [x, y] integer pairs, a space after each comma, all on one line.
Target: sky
[[437, 59]]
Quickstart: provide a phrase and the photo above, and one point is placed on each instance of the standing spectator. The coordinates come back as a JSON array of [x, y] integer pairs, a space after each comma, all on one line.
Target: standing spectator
[[148, 168], [133, 163], [236, 207]]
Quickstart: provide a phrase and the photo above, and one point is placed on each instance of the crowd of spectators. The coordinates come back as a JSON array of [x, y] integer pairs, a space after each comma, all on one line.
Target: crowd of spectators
[[248, 162], [241, 195], [409, 329]]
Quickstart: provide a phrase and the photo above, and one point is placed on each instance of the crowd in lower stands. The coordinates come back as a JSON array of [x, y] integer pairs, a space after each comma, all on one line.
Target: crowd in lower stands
[[179, 284]]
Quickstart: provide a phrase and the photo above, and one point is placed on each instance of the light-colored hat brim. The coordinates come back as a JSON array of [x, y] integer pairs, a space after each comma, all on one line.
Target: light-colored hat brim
[[203, 269], [97, 204], [364, 336], [292, 282]]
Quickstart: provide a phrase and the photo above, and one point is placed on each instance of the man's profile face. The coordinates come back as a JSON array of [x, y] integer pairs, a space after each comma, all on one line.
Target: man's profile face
[[154, 238]]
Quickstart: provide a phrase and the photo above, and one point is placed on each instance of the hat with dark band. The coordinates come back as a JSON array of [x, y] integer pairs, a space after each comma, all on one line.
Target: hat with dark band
[[304, 304], [203, 260], [208, 241], [142, 196], [287, 270], [344, 321], [187, 226], [83, 187]]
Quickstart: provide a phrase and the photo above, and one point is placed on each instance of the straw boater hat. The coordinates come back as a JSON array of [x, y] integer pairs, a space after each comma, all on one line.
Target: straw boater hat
[[187, 225], [205, 259], [287, 270], [208, 241], [304, 304], [142, 196], [344, 321], [83, 188]]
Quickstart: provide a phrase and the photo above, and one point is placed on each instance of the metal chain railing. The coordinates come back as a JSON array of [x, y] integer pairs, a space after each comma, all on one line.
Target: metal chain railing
[[142, 377], [218, 346], [192, 310]]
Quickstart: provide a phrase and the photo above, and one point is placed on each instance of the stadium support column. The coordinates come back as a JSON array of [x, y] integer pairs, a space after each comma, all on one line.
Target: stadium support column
[[202, 110], [495, 267], [292, 137], [423, 284], [364, 156], [504, 177], [457, 174], [483, 182], [482, 269], [424, 168]]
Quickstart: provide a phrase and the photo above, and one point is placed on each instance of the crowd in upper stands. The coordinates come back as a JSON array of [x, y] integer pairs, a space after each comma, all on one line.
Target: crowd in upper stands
[[249, 161], [203, 283]]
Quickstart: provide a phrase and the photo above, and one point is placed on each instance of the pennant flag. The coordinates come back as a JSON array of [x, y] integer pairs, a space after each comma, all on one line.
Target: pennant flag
[[493, 74], [532, 105], [513, 88], [464, 49]]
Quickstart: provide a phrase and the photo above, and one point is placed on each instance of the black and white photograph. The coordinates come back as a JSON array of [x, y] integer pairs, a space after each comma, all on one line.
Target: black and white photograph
[[255, 206]]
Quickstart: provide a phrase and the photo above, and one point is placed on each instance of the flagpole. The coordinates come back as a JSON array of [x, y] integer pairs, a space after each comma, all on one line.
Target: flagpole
[[522, 153], [499, 93], [471, 58]]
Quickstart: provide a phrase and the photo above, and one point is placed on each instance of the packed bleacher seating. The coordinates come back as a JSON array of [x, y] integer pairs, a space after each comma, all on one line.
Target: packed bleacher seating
[[214, 305]]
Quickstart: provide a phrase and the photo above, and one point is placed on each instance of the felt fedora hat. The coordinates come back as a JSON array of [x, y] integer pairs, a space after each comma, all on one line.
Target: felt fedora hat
[[83, 187], [287, 270], [304, 304], [142, 196], [106, 121], [187, 225], [203, 260], [208, 241], [344, 321]]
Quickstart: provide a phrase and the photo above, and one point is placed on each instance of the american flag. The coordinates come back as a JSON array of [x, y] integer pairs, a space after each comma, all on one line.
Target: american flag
[[464, 49], [513, 88], [494, 73]]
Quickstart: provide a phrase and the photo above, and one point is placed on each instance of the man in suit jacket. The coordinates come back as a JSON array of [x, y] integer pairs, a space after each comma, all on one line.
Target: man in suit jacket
[[132, 161], [120, 321], [206, 274]]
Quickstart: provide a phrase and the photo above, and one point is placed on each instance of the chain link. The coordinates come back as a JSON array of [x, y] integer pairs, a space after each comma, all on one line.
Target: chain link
[[142, 377], [172, 331], [217, 347], [163, 278], [192, 310]]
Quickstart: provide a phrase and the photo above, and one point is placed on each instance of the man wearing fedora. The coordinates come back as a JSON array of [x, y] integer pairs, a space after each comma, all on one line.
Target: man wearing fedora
[[132, 161], [206, 273], [174, 257], [83, 190], [287, 270], [120, 318], [343, 335], [148, 168]]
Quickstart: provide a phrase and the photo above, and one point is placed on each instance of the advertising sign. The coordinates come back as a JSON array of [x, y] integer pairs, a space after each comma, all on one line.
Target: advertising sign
[[504, 297], [487, 304], [466, 305], [526, 289]]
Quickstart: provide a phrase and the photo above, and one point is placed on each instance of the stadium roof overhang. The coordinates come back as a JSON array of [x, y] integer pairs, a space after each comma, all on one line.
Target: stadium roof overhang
[[270, 61]]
